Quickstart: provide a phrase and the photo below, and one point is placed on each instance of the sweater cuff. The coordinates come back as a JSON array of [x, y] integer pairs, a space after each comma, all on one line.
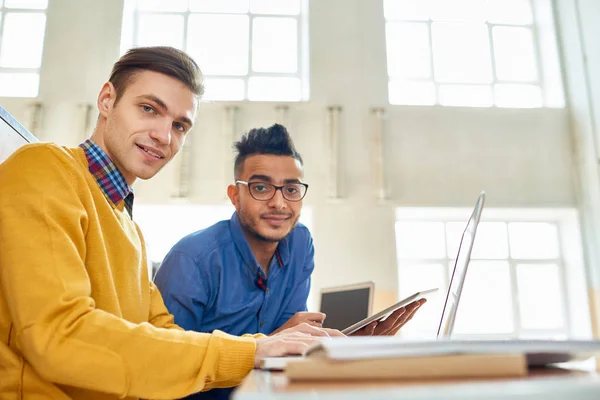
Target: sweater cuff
[[236, 355]]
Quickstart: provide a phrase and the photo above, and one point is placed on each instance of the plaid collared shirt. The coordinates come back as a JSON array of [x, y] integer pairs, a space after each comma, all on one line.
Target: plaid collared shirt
[[109, 178]]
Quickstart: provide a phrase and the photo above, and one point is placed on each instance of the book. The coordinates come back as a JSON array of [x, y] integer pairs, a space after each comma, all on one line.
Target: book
[[430, 367], [395, 358]]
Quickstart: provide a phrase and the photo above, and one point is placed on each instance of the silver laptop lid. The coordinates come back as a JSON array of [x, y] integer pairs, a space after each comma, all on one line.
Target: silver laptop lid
[[459, 272]]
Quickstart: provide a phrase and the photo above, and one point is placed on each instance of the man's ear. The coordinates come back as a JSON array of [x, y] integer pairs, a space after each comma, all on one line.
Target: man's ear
[[234, 196], [106, 98]]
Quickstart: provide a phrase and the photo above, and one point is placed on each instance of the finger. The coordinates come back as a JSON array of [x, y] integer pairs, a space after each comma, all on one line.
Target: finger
[[306, 327], [402, 321], [311, 316], [368, 330], [314, 323], [291, 348], [390, 321], [333, 332], [386, 327]]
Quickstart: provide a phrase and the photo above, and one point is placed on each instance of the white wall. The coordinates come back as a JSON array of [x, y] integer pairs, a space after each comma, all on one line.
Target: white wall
[[433, 155]]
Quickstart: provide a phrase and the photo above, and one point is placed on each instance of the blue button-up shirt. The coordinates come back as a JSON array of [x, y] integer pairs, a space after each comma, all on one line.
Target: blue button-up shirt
[[211, 280]]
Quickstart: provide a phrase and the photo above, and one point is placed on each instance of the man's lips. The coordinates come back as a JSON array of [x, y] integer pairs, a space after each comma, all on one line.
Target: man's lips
[[276, 219], [151, 151]]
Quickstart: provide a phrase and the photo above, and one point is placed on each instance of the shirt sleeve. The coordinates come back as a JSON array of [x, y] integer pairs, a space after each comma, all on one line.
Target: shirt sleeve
[[59, 331], [184, 289], [299, 294]]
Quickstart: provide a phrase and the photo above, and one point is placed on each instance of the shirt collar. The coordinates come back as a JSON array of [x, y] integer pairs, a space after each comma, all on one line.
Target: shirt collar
[[107, 175], [239, 238]]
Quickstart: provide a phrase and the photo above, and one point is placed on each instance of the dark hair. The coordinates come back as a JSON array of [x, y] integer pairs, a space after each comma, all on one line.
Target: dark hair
[[163, 59], [274, 140]]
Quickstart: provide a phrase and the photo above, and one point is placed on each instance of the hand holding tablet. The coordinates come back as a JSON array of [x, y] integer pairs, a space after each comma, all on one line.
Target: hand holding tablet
[[390, 320]]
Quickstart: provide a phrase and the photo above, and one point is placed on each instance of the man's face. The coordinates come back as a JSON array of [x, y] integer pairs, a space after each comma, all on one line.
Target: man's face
[[274, 219], [147, 126]]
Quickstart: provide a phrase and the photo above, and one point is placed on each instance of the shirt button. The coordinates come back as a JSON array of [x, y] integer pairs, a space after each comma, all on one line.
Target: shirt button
[[267, 290], [262, 324]]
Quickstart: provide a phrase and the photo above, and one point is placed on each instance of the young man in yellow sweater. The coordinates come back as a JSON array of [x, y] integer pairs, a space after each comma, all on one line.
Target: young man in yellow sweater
[[79, 318]]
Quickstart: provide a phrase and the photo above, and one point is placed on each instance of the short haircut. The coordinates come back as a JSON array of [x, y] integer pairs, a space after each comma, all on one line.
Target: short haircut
[[163, 59], [274, 140]]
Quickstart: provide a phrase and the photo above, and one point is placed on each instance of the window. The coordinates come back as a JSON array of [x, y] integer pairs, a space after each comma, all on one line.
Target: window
[[476, 53], [526, 277], [22, 28], [247, 49]]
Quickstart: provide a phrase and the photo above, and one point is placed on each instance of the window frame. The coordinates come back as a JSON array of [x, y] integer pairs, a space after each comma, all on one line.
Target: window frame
[[131, 16], [541, 81], [572, 273], [37, 70]]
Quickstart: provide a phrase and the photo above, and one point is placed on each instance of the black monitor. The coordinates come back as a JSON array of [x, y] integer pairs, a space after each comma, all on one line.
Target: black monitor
[[346, 305]]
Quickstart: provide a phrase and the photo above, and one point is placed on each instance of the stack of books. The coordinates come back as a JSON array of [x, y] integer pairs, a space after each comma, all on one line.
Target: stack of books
[[368, 358]]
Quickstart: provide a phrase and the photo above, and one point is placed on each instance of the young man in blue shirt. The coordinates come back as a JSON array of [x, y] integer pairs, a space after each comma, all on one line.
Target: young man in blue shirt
[[251, 274]]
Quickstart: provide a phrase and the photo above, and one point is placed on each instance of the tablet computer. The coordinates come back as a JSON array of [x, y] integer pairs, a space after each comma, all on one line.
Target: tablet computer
[[382, 315]]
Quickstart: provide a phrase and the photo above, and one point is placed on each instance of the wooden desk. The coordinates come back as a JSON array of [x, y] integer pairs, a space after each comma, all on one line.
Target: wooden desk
[[548, 384]]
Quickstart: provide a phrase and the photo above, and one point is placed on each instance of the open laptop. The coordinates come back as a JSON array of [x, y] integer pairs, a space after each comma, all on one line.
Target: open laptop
[[346, 305], [455, 285], [459, 272]]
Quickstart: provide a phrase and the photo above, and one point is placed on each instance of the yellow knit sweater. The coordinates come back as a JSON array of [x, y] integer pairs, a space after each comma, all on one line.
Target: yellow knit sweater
[[79, 317]]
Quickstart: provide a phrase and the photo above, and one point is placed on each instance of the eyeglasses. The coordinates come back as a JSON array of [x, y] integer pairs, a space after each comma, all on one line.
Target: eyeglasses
[[263, 191]]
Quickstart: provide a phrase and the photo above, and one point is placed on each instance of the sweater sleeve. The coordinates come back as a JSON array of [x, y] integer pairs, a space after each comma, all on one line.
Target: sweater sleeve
[[159, 315], [59, 331]]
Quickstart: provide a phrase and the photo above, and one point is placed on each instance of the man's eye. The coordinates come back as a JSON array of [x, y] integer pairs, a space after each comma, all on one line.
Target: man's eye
[[147, 109], [179, 127], [260, 188], [292, 189]]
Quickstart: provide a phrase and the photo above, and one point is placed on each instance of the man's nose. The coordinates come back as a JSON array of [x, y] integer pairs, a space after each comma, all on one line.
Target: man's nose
[[277, 201], [162, 133]]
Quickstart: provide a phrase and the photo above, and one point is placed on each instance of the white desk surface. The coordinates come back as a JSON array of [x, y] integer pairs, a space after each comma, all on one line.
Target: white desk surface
[[550, 384]]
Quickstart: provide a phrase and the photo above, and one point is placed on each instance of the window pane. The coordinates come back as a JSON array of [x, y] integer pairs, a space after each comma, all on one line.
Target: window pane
[[22, 40], [221, 6], [461, 53], [160, 30], [519, 96], [466, 95], [516, 12], [533, 240], [161, 233], [488, 283], [208, 37], [162, 5], [411, 93], [540, 296], [26, 4], [223, 89], [413, 278], [514, 54], [458, 10], [274, 89], [275, 45], [491, 240], [408, 53], [406, 9], [282, 7], [18, 84], [420, 239]]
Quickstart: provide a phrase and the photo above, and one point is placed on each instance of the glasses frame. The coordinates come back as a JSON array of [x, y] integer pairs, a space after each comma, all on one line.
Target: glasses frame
[[249, 185]]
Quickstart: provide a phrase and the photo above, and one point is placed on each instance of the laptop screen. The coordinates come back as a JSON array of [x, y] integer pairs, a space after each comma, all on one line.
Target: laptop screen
[[460, 271], [345, 306]]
